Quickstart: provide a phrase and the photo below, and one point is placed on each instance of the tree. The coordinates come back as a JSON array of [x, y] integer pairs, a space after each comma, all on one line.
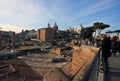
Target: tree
[[109, 32], [116, 31], [87, 32], [98, 27]]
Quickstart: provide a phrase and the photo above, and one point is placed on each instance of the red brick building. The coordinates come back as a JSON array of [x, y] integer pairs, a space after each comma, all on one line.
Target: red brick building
[[45, 34]]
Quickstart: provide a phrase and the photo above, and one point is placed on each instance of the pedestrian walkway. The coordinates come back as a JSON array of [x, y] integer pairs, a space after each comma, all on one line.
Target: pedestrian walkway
[[114, 69]]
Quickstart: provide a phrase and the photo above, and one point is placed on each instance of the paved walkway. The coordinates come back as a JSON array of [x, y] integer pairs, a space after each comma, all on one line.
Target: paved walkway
[[114, 71]]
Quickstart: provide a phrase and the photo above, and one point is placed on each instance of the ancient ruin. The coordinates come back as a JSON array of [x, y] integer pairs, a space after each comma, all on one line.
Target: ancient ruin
[[49, 66]]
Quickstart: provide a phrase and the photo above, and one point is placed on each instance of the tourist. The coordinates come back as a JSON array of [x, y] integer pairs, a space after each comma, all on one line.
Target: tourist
[[116, 46], [105, 46]]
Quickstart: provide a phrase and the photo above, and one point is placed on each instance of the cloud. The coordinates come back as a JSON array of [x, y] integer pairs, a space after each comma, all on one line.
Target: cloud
[[26, 13], [37, 13], [20, 12], [11, 28]]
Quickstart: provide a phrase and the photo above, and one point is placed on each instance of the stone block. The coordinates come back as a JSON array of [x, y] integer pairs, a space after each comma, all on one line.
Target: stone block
[[55, 75]]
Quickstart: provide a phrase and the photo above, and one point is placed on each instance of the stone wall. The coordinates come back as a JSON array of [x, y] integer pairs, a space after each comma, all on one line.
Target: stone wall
[[55, 50], [81, 56], [55, 75]]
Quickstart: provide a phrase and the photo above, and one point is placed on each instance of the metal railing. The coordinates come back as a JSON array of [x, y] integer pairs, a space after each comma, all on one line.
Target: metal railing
[[93, 70]]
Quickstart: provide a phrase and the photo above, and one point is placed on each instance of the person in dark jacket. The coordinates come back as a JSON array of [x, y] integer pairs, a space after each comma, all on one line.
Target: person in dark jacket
[[105, 46], [116, 46]]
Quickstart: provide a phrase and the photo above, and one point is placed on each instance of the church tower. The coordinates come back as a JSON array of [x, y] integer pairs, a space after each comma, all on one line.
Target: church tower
[[55, 27], [48, 25]]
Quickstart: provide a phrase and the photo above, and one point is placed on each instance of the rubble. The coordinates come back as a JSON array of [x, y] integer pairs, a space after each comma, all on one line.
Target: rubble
[[56, 60], [55, 75], [56, 50], [6, 69]]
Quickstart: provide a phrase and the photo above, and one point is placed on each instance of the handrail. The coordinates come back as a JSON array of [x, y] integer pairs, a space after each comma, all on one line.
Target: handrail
[[93, 70]]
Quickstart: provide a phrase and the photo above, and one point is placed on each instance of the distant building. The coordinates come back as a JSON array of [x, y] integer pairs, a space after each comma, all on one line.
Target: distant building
[[52, 33], [32, 34], [27, 35], [55, 27], [6, 38], [47, 34], [76, 29]]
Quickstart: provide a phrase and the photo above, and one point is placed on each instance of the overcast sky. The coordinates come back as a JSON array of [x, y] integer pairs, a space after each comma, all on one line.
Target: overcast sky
[[35, 14]]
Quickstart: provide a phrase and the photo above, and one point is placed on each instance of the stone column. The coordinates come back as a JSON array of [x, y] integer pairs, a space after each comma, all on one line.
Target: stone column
[[38, 34], [13, 40], [0, 40]]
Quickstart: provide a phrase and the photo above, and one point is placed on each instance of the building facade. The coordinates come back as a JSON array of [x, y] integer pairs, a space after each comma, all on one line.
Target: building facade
[[45, 34], [7, 38], [76, 29]]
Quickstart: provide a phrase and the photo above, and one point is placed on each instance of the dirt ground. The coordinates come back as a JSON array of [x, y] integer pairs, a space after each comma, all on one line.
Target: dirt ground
[[29, 68]]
